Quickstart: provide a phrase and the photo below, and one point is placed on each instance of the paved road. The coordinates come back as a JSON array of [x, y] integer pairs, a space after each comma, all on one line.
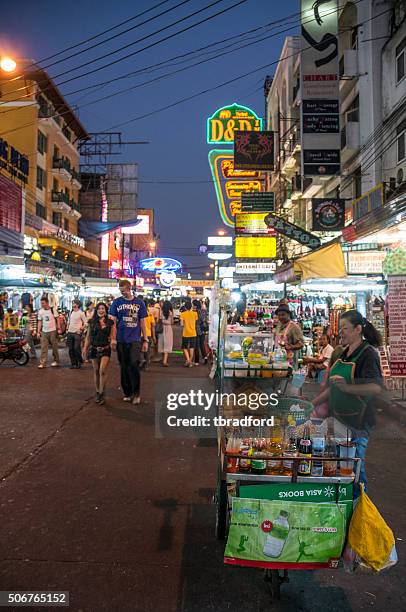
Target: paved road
[[93, 503]]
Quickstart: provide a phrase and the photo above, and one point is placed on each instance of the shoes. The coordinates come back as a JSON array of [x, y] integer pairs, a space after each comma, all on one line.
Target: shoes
[[54, 364], [187, 364], [97, 398], [73, 367], [127, 398], [196, 363], [165, 365], [101, 399], [41, 366], [190, 365], [136, 399], [79, 366]]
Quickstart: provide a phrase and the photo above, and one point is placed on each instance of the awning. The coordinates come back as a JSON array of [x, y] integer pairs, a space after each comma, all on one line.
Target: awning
[[56, 243], [327, 262]]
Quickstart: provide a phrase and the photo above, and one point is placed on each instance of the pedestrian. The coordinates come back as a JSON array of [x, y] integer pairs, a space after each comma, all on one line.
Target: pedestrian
[[318, 365], [200, 330], [76, 326], [47, 331], [354, 382], [188, 320], [130, 337], [97, 345], [165, 339], [11, 322], [288, 334], [31, 329], [150, 326]]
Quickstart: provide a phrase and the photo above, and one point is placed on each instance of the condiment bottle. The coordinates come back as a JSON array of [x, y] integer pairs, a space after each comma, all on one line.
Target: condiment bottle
[[305, 453], [289, 452]]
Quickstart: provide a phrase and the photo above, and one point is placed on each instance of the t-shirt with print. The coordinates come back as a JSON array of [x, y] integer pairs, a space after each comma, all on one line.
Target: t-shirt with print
[[189, 318], [128, 314], [46, 316]]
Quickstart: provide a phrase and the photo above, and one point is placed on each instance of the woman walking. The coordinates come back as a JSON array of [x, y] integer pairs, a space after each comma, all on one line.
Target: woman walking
[[97, 345], [165, 339]]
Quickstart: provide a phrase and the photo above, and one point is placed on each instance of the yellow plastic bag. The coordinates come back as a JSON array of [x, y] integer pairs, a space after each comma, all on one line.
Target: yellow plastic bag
[[369, 536]]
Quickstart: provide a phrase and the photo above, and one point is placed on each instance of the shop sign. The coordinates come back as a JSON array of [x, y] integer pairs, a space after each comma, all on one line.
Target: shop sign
[[397, 324], [307, 534], [259, 267], [255, 247], [166, 278], [14, 162], [229, 172], [328, 214], [254, 150], [292, 231], [365, 262], [320, 118], [226, 271], [155, 264], [230, 188], [11, 205], [70, 238], [222, 125], [194, 283], [252, 223], [258, 202], [30, 244]]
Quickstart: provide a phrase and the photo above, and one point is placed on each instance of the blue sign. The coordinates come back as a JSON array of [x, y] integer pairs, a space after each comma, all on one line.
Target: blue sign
[[159, 264]]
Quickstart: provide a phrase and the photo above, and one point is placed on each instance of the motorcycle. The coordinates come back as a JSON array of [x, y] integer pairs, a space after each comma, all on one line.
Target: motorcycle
[[16, 349]]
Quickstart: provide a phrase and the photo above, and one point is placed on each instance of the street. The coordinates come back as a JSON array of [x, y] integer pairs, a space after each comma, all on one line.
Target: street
[[92, 503]]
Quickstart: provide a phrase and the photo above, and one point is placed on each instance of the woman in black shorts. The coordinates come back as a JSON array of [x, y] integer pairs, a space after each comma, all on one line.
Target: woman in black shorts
[[97, 345]]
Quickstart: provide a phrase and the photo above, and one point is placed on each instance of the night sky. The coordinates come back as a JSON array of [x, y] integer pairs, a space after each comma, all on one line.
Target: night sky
[[185, 213]]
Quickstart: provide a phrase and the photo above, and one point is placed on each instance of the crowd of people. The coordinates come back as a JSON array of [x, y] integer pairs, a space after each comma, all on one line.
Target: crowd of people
[[139, 328]]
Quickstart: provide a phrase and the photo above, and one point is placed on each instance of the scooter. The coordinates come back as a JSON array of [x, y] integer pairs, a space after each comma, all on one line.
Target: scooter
[[16, 349]]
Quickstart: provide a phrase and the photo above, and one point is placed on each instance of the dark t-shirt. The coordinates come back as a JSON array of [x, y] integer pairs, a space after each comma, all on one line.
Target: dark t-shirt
[[128, 314], [367, 370]]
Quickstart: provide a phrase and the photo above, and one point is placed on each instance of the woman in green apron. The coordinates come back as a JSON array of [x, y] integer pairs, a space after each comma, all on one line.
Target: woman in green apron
[[354, 379]]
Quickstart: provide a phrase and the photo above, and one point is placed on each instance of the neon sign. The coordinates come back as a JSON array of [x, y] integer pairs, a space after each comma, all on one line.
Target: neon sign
[[229, 172], [226, 120], [158, 264], [167, 278]]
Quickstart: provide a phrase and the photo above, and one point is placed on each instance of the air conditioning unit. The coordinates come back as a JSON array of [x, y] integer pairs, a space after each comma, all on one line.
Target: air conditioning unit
[[401, 176]]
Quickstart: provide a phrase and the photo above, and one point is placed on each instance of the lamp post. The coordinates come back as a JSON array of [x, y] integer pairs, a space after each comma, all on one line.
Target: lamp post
[[7, 64]]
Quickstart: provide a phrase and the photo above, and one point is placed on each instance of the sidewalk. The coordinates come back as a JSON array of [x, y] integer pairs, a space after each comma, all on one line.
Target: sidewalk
[[91, 502]]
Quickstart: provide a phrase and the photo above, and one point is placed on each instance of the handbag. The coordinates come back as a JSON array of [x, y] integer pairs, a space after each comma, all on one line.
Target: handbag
[[159, 327]]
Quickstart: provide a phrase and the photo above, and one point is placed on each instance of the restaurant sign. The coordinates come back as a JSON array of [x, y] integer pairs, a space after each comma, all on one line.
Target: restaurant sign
[[252, 223], [252, 247], [222, 125], [397, 324], [254, 150], [292, 231], [14, 162]]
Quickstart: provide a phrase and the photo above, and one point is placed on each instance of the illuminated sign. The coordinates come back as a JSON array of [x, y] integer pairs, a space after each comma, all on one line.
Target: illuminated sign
[[167, 278], [13, 161], [253, 247], [220, 240], [140, 228], [155, 264], [104, 251], [252, 223], [226, 120], [259, 267], [228, 171], [254, 150], [195, 283], [365, 262], [229, 192], [290, 230]]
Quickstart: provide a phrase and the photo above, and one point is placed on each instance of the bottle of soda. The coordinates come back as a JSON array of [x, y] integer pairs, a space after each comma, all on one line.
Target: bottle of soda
[[305, 454], [318, 445], [330, 450]]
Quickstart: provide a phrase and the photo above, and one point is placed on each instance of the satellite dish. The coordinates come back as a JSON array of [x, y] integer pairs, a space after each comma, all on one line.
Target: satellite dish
[[400, 176]]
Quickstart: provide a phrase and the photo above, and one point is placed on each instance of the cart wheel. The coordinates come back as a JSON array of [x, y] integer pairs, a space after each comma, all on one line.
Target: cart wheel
[[221, 510], [275, 580]]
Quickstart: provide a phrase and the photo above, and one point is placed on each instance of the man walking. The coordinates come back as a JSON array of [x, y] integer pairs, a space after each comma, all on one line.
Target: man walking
[[77, 323], [188, 319], [47, 330], [130, 337]]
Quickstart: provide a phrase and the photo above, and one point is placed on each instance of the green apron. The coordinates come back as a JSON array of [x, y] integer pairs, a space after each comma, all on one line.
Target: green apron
[[348, 409]]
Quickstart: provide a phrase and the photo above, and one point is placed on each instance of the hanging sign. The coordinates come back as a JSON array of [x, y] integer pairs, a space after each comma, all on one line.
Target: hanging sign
[[258, 202], [222, 125], [157, 264], [255, 247], [252, 223], [328, 214], [292, 231], [320, 116], [254, 150], [397, 324]]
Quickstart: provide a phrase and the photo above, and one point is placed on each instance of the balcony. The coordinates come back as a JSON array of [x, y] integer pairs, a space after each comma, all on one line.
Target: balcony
[[290, 151], [60, 201], [350, 140], [297, 186], [75, 209], [62, 169]]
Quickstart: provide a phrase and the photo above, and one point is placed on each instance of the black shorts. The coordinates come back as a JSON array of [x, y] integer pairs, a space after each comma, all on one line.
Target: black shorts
[[189, 343], [99, 351]]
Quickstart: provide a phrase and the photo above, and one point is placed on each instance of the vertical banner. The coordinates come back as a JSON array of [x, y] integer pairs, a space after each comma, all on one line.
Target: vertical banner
[[397, 324], [320, 116]]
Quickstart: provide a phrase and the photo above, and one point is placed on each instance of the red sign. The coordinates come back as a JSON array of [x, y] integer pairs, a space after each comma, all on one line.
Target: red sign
[[397, 324], [11, 205]]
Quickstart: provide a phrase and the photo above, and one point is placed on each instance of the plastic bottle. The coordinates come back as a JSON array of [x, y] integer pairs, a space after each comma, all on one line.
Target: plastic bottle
[[318, 446], [276, 539], [274, 466], [330, 450], [258, 462], [289, 452], [305, 452]]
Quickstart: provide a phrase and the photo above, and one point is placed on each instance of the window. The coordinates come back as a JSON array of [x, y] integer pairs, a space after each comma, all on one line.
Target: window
[[56, 152], [40, 210], [42, 142], [67, 133], [354, 38], [357, 183], [55, 185], [41, 178], [401, 140], [400, 60], [66, 224], [57, 219]]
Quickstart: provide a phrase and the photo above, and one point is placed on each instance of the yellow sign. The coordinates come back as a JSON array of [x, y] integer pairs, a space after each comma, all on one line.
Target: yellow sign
[[234, 189], [225, 121], [194, 283], [227, 170], [255, 248]]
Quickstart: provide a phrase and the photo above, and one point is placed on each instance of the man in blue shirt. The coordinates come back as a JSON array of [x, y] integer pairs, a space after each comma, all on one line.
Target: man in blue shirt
[[130, 337]]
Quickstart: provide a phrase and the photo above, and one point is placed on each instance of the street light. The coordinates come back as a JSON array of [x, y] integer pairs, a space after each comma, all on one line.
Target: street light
[[207, 273], [7, 64], [221, 232], [211, 266], [152, 244]]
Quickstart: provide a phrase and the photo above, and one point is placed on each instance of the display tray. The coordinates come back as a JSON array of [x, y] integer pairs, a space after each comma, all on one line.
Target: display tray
[[309, 479]]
